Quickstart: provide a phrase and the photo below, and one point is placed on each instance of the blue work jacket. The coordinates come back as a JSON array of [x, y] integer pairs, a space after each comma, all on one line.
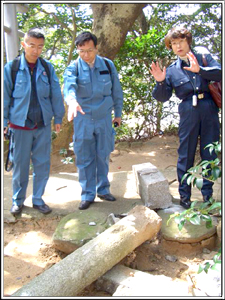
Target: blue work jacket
[[179, 80], [49, 96], [97, 92]]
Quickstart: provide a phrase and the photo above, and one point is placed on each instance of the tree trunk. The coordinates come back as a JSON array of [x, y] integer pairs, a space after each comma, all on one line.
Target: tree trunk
[[111, 24]]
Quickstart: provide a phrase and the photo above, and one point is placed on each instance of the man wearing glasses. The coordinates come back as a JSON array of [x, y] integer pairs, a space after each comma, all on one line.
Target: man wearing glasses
[[92, 91], [29, 106]]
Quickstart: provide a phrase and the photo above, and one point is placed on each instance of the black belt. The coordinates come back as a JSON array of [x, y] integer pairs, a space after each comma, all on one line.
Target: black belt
[[199, 96]]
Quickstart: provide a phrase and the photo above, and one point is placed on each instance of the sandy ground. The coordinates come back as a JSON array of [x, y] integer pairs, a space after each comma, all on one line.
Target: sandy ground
[[28, 250]]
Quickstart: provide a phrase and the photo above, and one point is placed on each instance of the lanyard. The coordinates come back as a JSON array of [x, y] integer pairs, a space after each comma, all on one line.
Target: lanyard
[[193, 84], [194, 97]]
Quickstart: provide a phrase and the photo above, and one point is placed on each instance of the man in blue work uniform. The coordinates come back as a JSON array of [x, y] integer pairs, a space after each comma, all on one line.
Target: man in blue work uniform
[[28, 111], [92, 90], [198, 113]]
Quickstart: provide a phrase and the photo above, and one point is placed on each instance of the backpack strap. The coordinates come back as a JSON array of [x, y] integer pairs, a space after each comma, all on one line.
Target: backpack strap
[[107, 65], [76, 63], [45, 65], [15, 68]]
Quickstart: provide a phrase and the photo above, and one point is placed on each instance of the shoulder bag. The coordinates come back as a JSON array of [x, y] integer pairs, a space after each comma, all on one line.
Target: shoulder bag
[[214, 87]]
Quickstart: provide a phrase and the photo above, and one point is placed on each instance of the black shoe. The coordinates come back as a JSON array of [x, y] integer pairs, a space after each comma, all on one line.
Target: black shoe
[[186, 203], [85, 204], [16, 209], [44, 209], [108, 197], [206, 198]]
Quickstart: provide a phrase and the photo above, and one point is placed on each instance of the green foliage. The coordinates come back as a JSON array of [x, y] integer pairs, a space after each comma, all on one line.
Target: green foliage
[[54, 135], [215, 266], [57, 23], [196, 214], [66, 160], [210, 170], [172, 129], [141, 111]]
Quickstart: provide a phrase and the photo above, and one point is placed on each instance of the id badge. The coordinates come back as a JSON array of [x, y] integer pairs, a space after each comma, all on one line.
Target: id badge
[[194, 100]]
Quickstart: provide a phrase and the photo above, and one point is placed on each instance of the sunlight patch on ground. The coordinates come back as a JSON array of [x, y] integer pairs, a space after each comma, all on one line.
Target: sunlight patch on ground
[[152, 153], [29, 243]]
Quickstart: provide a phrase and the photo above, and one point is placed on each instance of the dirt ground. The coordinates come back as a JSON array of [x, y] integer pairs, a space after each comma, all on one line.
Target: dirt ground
[[24, 260]]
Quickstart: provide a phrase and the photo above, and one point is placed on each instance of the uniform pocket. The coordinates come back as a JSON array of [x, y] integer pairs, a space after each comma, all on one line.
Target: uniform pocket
[[105, 84], [20, 86], [45, 86], [180, 82], [84, 87]]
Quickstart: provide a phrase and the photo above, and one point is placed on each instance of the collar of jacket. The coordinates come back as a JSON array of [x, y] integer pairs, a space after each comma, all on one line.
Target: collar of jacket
[[179, 60], [24, 65], [97, 63]]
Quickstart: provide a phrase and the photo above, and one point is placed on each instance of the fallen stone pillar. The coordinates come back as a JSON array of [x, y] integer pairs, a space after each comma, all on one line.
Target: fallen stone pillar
[[85, 265], [152, 186]]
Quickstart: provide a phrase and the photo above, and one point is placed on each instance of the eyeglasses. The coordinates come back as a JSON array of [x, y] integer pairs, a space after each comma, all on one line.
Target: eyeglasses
[[176, 43], [89, 51], [32, 46]]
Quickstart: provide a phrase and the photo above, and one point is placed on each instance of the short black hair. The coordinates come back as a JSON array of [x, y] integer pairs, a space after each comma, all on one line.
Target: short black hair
[[35, 33], [85, 36]]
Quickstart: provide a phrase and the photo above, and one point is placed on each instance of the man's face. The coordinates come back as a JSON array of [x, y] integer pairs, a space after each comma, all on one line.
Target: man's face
[[88, 51], [33, 48]]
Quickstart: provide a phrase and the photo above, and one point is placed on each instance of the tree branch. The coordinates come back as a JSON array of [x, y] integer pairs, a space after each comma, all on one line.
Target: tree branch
[[57, 20]]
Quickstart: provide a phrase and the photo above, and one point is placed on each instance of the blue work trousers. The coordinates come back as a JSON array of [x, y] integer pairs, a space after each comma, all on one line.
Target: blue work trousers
[[30, 146], [93, 142], [199, 122]]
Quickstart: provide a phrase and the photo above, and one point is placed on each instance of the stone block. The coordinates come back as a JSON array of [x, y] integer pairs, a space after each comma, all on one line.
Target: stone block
[[152, 186], [122, 281]]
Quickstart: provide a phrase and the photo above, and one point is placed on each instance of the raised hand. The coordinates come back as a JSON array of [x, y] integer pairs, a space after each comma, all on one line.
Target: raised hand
[[194, 66], [157, 73]]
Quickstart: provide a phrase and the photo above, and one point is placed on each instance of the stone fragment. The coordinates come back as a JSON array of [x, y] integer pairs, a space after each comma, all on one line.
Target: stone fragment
[[122, 281], [152, 186]]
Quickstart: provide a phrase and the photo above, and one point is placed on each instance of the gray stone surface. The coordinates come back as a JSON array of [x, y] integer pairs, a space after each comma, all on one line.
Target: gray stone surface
[[189, 233], [122, 281], [152, 186], [78, 228], [208, 284]]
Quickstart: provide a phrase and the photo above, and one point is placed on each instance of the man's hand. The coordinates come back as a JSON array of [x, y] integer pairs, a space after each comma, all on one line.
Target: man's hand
[[73, 108], [157, 73], [5, 133], [194, 66], [57, 127], [117, 120]]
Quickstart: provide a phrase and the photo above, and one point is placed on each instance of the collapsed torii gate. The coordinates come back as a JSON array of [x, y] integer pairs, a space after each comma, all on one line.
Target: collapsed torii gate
[[11, 32]]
